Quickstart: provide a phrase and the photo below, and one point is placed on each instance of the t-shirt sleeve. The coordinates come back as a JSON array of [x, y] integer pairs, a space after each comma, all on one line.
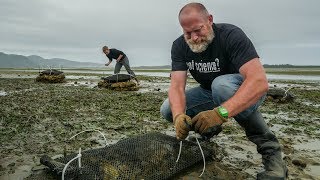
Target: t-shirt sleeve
[[240, 48], [178, 58]]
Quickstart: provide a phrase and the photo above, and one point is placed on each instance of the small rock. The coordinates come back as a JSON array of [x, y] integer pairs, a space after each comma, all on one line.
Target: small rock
[[287, 149], [299, 162], [11, 164], [2, 168], [11, 171]]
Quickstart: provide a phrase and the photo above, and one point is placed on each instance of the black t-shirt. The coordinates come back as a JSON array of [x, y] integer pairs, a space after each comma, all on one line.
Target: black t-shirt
[[114, 54], [229, 50]]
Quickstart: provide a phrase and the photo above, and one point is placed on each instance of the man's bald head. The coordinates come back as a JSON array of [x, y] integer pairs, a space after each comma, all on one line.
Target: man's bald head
[[193, 8]]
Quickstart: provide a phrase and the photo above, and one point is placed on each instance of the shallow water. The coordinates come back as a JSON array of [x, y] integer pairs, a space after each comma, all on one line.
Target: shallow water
[[292, 77], [312, 145], [2, 93], [314, 170], [167, 74]]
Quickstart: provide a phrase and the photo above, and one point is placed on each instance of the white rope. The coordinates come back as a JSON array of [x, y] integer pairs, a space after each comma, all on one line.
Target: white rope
[[79, 154], [50, 69], [179, 152], [203, 158], [285, 92], [66, 166], [89, 131], [79, 161]]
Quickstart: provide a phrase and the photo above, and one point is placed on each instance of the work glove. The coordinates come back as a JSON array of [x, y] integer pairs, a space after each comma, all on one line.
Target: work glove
[[207, 119], [183, 124]]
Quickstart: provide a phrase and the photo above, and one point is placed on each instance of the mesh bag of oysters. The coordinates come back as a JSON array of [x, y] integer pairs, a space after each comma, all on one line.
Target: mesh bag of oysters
[[148, 156], [51, 76], [119, 82]]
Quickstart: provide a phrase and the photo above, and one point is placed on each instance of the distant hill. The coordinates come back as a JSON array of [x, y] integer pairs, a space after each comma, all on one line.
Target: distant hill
[[34, 61], [12, 60]]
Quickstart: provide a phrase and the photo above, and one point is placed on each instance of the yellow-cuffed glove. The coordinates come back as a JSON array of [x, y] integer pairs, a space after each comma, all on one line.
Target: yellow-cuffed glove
[[182, 124], [207, 119]]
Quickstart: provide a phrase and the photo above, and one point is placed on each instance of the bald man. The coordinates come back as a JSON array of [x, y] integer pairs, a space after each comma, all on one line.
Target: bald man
[[233, 83]]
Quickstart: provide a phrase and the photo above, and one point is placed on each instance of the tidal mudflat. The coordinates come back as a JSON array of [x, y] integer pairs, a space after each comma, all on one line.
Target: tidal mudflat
[[37, 119]]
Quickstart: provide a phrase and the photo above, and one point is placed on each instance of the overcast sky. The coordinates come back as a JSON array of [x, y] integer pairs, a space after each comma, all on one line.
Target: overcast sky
[[283, 31]]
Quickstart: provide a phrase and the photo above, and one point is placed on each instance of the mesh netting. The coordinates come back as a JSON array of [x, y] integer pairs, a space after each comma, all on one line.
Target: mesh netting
[[119, 82], [118, 78], [119, 86], [149, 156], [51, 76]]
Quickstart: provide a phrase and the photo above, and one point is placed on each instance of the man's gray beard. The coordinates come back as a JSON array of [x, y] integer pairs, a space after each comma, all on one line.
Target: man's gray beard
[[202, 46]]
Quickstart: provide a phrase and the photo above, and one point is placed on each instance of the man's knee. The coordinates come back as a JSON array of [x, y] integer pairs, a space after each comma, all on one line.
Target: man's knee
[[165, 110], [225, 86]]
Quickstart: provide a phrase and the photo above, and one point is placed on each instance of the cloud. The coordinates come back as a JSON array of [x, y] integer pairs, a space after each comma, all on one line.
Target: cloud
[[144, 29]]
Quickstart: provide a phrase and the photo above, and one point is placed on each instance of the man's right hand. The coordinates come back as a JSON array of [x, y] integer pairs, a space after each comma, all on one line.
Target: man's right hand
[[181, 122]]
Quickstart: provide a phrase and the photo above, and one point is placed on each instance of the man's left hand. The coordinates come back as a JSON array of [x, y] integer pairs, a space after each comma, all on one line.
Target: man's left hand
[[207, 119]]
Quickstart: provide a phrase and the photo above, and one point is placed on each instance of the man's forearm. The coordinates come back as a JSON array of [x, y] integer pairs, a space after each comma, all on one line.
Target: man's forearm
[[177, 101], [108, 63], [119, 58], [177, 97], [254, 86]]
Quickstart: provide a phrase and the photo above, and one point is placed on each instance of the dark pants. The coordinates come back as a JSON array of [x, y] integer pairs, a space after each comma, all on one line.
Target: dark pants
[[125, 63]]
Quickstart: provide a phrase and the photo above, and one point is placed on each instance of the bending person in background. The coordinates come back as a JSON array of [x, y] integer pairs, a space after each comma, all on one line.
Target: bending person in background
[[120, 57]]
